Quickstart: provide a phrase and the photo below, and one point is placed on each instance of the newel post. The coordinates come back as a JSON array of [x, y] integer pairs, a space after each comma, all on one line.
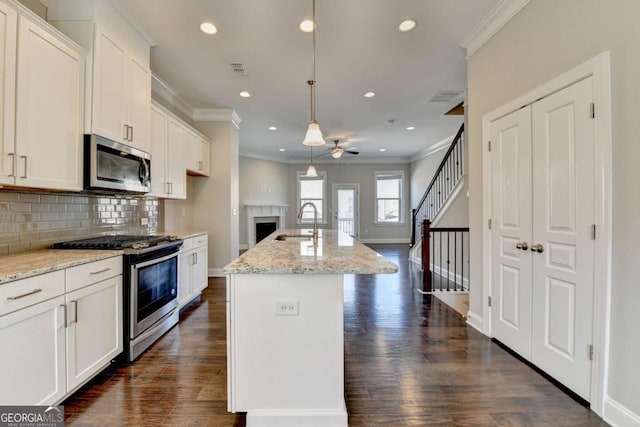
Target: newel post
[[426, 256]]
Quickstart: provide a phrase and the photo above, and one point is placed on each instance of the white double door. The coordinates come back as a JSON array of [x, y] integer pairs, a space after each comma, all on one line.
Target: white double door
[[542, 266]]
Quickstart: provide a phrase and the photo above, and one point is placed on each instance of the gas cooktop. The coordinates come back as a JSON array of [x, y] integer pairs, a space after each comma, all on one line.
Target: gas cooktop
[[115, 242]]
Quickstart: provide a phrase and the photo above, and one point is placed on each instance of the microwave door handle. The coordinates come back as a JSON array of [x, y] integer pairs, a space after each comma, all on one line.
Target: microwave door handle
[[143, 173]]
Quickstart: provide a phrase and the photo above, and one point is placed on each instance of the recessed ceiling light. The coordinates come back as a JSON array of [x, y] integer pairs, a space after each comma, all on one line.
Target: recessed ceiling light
[[245, 94], [306, 26], [273, 128], [411, 127], [369, 94], [407, 25], [383, 149], [282, 149], [208, 28]]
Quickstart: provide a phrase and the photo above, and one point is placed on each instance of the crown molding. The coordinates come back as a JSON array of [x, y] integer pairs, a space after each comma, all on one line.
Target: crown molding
[[162, 89], [497, 18], [134, 24], [432, 149], [217, 115]]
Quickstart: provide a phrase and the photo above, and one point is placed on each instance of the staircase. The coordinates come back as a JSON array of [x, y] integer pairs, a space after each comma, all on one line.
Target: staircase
[[443, 253]]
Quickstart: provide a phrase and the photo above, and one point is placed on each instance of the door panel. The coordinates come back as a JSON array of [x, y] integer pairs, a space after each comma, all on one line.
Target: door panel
[[511, 225], [345, 208], [8, 51], [563, 208]]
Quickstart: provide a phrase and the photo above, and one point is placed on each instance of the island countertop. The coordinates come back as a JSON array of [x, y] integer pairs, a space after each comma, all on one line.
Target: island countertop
[[334, 253]]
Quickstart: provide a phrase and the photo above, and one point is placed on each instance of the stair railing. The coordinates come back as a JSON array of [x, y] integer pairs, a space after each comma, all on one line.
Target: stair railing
[[445, 259], [445, 179]]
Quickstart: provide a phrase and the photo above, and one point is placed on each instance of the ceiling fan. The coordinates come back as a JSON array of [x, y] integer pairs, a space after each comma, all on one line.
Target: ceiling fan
[[336, 151]]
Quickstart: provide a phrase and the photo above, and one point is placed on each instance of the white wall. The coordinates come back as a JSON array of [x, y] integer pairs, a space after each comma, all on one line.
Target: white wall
[[422, 171], [262, 182], [547, 38], [359, 173]]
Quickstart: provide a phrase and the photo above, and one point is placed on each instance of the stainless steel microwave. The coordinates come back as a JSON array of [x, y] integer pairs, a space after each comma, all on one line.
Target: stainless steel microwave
[[110, 165]]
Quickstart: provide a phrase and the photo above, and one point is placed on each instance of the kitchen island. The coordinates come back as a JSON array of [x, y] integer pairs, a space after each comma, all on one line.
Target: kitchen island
[[285, 327]]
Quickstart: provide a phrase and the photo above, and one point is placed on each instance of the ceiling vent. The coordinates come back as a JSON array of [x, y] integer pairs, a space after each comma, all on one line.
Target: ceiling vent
[[445, 95], [238, 68]]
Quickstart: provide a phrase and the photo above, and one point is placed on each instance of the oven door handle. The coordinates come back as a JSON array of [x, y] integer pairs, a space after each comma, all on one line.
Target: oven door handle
[[155, 260]]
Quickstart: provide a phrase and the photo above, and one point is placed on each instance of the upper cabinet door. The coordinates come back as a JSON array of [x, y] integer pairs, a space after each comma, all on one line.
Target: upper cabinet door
[[139, 94], [158, 138], [8, 39], [176, 168], [49, 110], [109, 106]]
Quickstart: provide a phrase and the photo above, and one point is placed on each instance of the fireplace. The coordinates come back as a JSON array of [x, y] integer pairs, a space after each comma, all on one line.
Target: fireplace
[[263, 220], [265, 226]]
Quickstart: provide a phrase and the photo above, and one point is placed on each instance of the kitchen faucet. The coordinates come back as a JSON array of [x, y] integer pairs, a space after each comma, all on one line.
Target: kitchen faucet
[[315, 218]]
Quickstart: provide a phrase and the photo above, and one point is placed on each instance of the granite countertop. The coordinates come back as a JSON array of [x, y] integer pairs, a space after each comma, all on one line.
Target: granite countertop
[[181, 233], [334, 253], [27, 264]]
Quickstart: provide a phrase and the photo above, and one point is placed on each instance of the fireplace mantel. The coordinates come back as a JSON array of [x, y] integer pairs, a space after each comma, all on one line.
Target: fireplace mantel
[[262, 211]]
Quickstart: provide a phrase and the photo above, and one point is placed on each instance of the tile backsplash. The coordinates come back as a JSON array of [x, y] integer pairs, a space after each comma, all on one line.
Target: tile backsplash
[[31, 221]]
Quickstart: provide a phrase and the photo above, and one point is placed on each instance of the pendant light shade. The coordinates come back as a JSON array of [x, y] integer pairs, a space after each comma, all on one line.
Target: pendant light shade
[[313, 138], [311, 171]]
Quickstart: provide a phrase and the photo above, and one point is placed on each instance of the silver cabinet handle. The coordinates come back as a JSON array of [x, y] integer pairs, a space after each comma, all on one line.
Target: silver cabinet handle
[[131, 137], [64, 316], [13, 164], [522, 245], [35, 291], [200, 165], [171, 188], [126, 132], [537, 248], [195, 258], [100, 271], [75, 312], [25, 166]]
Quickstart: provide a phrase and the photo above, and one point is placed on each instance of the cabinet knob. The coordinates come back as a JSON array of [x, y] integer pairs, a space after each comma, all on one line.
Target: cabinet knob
[[537, 248], [522, 245]]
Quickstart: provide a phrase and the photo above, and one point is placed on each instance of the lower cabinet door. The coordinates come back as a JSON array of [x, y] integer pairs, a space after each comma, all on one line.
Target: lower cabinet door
[[32, 359], [184, 282], [200, 270], [94, 331]]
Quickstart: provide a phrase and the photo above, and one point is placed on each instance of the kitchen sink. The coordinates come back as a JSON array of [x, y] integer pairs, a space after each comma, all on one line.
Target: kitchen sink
[[296, 237]]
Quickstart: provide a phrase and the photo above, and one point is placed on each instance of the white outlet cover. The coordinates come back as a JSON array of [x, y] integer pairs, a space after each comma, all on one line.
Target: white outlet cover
[[287, 307]]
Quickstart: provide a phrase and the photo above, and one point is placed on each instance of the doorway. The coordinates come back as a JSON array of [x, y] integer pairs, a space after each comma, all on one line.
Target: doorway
[[346, 206]]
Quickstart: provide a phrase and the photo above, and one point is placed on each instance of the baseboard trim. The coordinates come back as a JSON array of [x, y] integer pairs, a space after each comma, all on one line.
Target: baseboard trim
[[217, 272], [386, 241], [475, 321], [619, 415]]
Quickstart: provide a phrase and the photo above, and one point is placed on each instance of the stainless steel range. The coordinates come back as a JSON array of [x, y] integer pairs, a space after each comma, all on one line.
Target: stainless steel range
[[151, 274]]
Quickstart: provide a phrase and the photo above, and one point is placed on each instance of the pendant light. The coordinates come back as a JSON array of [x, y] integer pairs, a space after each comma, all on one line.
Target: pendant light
[[311, 170], [314, 134]]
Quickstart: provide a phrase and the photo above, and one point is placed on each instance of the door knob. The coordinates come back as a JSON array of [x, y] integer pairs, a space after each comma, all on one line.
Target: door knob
[[537, 248], [522, 245]]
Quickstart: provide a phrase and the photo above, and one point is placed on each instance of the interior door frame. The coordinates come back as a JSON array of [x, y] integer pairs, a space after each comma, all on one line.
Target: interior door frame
[[356, 206], [599, 68]]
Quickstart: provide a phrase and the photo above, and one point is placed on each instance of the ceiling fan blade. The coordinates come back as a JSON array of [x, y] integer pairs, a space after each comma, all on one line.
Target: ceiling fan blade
[[322, 155], [352, 152]]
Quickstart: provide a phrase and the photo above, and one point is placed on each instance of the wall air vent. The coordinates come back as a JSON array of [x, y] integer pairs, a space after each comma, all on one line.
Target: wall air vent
[[445, 95], [238, 68]]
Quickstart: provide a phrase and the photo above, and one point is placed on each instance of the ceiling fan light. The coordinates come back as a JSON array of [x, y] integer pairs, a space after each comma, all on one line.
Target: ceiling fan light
[[313, 138], [336, 154], [311, 171]]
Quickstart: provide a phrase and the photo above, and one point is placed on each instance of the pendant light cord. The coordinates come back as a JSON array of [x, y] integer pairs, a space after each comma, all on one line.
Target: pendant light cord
[[313, 78]]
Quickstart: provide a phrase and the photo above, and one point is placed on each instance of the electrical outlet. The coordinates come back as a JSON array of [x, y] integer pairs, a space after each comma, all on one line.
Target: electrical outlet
[[287, 308], [144, 221]]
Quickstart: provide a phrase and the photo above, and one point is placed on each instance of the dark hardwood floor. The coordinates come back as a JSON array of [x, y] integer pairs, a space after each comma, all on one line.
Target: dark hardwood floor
[[407, 363]]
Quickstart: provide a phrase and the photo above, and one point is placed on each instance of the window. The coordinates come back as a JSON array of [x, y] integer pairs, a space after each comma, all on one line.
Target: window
[[389, 197], [312, 190]]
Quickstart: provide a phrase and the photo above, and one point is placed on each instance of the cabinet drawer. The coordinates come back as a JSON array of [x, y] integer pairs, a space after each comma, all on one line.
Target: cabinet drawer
[[93, 272], [26, 292], [187, 244], [201, 240]]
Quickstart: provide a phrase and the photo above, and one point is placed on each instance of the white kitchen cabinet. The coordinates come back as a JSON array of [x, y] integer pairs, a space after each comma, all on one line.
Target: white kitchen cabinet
[[54, 342], [121, 93], [32, 333], [193, 269], [94, 329], [168, 177], [42, 94], [198, 152], [176, 174], [118, 73], [8, 55]]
